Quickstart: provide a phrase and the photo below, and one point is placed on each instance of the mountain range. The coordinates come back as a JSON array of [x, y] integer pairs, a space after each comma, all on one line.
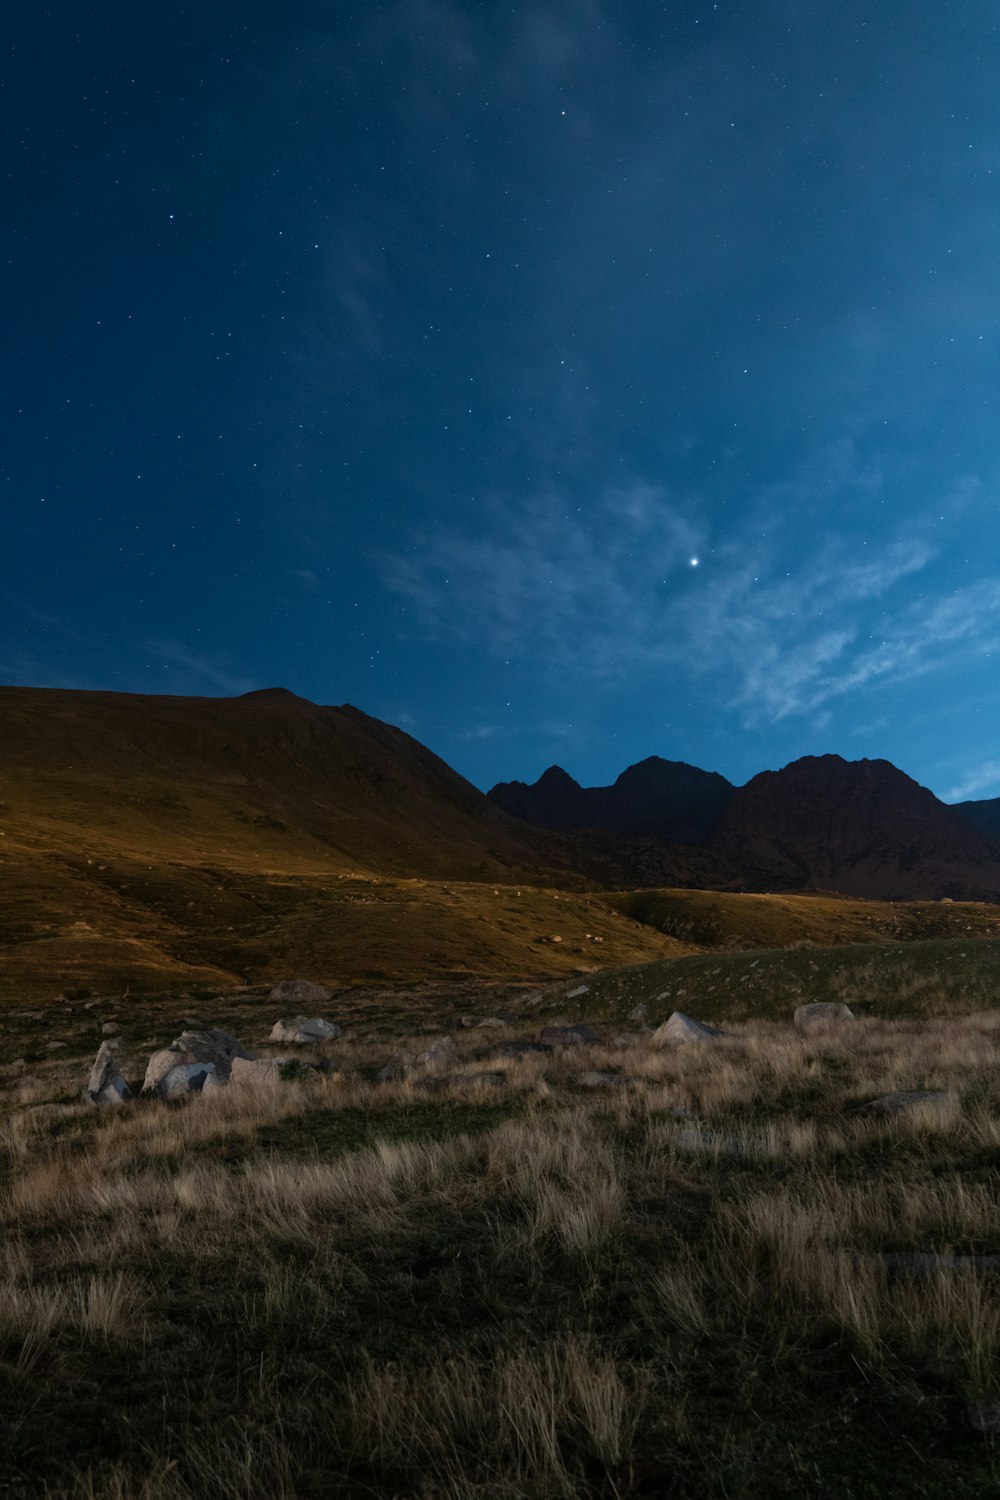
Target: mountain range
[[199, 841], [858, 827]]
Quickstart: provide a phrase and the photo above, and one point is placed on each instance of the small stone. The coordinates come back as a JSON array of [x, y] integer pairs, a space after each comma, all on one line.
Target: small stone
[[521, 1049], [304, 1031], [55, 1046], [493, 1021], [109, 1028], [683, 1030], [581, 989], [599, 1079], [638, 1012], [300, 992], [397, 1068], [580, 1035], [822, 1015], [441, 1051]]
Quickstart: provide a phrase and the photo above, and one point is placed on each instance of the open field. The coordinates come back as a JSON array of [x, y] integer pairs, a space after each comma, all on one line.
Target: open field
[[707, 1278]]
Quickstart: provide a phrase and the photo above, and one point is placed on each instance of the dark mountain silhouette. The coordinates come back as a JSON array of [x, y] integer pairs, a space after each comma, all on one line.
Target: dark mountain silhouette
[[984, 815], [858, 827], [665, 799]]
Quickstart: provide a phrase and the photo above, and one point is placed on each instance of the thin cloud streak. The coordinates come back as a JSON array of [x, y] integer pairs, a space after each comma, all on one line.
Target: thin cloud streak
[[612, 591]]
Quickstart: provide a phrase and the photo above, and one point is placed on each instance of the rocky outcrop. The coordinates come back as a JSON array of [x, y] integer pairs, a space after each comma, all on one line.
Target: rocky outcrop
[[681, 1030], [106, 1084]]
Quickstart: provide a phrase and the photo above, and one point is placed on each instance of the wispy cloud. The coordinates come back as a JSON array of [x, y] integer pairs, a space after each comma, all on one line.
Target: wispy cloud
[[610, 589], [216, 670], [984, 778]]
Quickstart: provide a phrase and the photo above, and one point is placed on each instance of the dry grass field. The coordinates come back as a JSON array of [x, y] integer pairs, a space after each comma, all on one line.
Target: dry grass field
[[702, 1274]]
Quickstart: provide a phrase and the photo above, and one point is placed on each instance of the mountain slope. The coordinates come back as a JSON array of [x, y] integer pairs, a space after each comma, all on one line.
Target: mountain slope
[[267, 780]]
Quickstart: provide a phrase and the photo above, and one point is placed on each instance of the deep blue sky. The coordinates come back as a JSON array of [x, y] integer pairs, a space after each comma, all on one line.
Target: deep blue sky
[[409, 358]]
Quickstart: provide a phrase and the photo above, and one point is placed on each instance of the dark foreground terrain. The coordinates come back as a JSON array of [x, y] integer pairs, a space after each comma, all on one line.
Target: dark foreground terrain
[[616, 1269]]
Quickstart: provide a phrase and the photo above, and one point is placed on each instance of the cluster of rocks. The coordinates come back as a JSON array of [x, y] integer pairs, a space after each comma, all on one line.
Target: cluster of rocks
[[204, 1061]]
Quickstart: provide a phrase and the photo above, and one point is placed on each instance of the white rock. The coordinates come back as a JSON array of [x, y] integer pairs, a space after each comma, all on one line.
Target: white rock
[[184, 1079], [303, 1030], [822, 1015], [683, 1030], [255, 1075], [106, 1084], [581, 989]]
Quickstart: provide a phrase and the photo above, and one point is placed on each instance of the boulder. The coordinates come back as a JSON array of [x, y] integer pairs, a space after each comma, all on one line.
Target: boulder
[[304, 1030], [216, 1047], [822, 1015], [106, 1084], [680, 1030], [938, 1101], [580, 1035], [249, 1073], [184, 1079], [300, 992]]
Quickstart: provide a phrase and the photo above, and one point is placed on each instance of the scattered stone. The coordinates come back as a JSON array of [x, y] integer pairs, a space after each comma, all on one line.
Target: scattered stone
[[639, 1012], [682, 1030], [822, 1015], [580, 1035], [521, 1049], [109, 1028], [530, 1001], [625, 1039], [54, 1046], [984, 1415], [397, 1068], [600, 1079], [938, 1101], [304, 1030], [581, 989], [441, 1051], [300, 992], [106, 1084], [493, 1021]]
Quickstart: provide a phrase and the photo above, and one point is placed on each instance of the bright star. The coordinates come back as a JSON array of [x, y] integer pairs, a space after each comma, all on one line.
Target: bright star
[[694, 562]]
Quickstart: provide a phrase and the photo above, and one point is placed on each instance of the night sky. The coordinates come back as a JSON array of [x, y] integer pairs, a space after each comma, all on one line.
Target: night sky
[[565, 382]]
